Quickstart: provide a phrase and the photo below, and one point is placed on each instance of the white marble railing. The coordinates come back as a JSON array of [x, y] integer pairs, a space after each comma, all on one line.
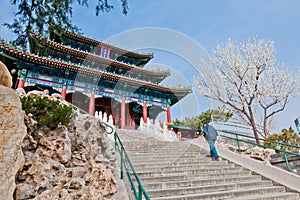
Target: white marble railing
[[109, 129], [103, 117], [156, 130]]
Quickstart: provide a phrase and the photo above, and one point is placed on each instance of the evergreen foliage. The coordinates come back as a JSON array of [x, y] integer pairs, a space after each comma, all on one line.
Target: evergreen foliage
[[38, 15], [46, 111], [197, 122], [287, 136]]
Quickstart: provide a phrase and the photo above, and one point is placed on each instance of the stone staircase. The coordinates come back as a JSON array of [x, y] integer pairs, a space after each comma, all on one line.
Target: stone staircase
[[181, 170]]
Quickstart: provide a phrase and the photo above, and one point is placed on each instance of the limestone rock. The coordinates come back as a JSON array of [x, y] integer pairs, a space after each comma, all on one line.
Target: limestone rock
[[56, 144], [232, 147], [261, 153], [89, 133], [20, 92], [5, 77], [12, 132], [67, 164], [28, 191], [35, 93], [56, 96]]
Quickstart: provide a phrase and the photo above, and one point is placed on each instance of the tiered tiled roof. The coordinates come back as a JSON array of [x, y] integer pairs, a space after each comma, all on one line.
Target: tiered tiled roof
[[58, 30], [83, 55]]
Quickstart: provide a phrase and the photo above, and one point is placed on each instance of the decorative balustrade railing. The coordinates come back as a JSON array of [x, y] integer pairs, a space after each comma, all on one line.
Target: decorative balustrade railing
[[280, 147], [157, 131]]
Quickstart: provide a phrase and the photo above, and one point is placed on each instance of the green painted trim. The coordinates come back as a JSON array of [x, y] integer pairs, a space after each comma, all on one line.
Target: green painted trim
[[8, 56]]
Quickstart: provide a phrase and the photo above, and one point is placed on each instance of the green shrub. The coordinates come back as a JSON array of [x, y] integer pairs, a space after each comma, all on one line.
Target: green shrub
[[46, 111], [197, 122], [287, 136]]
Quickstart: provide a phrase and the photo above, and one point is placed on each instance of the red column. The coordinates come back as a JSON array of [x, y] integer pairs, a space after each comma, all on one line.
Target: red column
[[169, 115], [21, 84], [92, 104], [64, 93], [117, 117], [145, 112], [108, 54], [123, 114]]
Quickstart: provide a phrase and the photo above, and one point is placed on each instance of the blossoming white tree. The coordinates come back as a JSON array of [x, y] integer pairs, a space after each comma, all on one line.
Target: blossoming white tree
[[247, 79]]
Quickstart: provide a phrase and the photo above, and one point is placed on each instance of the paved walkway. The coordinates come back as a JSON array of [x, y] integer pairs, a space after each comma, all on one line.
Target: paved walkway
[[121, 188], [288, 179]]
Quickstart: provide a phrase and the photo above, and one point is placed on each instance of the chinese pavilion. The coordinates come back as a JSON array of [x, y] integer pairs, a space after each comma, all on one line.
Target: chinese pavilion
[[93, 76]]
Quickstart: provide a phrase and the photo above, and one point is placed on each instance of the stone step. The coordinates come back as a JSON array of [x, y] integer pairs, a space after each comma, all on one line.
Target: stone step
[[134, 144], [173, 161], [181, 170], [163, 154], [154, 146], [163, 168], [207, 188], [156, 143], [199, 182], [169, 158], [232, 174], [179, 145], [177, 177], [166, 153], [183, 164], [164, 144], [274, 196], [162, 149], [229, 194], [188, 172], [142, 147]]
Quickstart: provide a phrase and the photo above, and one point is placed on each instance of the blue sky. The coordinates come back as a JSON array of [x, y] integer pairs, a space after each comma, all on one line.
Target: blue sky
[[205, 22]]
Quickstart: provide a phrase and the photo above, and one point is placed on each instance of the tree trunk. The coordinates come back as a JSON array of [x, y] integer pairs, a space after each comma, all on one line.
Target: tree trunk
[[252, 122], [255, 134]]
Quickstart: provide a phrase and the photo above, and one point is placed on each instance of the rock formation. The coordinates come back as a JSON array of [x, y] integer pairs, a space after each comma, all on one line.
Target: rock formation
[[261, 153], [5, 77], [12, 132], [67, 163], [232, 148]]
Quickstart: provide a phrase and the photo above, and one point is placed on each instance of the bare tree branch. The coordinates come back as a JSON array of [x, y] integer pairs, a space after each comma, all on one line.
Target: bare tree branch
[[246, 78]]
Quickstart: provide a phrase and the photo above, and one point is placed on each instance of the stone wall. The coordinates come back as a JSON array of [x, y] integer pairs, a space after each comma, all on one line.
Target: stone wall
[[12, 132]]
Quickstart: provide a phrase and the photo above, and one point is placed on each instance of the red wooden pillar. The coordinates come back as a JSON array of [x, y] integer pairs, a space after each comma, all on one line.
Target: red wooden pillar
[[169, 115], [21, 84], [63, 93], [117, 117], [123, 119], [92, 104], [145, 112]]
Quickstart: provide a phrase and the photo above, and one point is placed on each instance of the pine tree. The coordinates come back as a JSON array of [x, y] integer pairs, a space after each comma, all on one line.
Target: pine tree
[[37, 15]]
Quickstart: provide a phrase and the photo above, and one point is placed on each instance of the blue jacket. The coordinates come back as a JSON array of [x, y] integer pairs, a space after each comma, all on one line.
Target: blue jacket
[[210, 133]]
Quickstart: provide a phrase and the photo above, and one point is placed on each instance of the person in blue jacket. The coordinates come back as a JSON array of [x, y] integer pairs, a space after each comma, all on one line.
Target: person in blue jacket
[[211, 134]]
